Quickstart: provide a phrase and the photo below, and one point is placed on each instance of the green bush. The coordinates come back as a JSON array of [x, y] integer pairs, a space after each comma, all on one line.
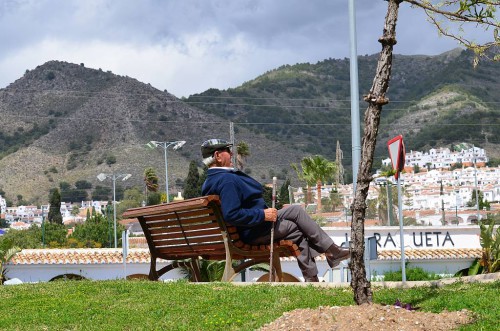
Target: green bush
[[319, 219], [35, 237], [412, 274], [110, 159], [50, 75]]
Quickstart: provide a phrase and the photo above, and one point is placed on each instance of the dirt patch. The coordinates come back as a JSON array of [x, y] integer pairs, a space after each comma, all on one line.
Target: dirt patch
[[368, 317]]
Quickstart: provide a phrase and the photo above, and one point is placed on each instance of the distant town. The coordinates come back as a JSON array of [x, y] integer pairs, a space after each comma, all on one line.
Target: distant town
[[436, 182]]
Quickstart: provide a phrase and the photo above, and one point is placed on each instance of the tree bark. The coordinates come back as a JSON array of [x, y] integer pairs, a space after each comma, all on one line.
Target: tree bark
[[376, 99]]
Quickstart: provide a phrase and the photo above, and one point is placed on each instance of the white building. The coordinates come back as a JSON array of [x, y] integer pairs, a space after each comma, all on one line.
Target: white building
[[33, 214], [3, 205], [458, 185], [99, 206], [439, 158]]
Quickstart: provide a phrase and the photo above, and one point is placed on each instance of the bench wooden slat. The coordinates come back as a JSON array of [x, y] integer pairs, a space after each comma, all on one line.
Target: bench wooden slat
[[231, 229], [177, 221], [186, 228], [196, 249], [173, 206], [166, 217], [190, 234], [190, 240]]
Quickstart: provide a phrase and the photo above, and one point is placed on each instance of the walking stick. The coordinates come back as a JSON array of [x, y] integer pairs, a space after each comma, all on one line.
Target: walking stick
[[273, 205]]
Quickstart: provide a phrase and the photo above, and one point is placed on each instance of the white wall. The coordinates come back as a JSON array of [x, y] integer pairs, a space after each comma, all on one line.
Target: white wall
[[45, 272], [415, 237]]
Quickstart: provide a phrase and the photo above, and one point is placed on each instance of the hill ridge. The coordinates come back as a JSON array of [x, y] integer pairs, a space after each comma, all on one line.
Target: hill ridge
[[80, 121]]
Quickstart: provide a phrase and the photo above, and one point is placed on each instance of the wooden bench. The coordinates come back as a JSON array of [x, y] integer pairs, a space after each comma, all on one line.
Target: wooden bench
[[182, 232]]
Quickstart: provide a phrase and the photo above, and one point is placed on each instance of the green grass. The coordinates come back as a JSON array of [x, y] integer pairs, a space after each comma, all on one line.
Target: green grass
[[144, 305]]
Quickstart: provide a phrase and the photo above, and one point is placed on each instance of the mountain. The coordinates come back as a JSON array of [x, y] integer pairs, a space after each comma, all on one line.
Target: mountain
[[435, 101], [63, 122]]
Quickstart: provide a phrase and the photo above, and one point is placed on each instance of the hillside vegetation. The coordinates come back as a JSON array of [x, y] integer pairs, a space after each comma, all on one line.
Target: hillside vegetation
[[435, 101], [63, 122]]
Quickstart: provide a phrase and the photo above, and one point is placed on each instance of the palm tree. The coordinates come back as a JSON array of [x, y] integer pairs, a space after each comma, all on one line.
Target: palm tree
[[490, 242], [210, 270], [316, 170], [151, 185], [150, 180], [5, 257], [213, 271], [387, 198], [242, 152], [386, 203], [305, 176]]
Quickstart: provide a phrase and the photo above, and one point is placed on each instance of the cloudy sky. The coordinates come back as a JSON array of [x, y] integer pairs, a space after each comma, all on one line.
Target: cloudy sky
[[188, 46]]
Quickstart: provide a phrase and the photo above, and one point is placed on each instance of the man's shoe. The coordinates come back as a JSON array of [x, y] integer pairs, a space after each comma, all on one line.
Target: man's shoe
[[335, 254], [313, 279]]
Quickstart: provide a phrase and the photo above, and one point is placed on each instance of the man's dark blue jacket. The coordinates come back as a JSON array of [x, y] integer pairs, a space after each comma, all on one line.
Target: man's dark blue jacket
[[241, 201]]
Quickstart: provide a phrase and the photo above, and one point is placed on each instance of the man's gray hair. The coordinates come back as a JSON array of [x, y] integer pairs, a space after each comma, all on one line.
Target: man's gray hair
[[208, 160]]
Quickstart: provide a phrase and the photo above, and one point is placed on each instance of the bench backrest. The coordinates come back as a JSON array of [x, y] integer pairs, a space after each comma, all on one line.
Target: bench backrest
[[182, 229]]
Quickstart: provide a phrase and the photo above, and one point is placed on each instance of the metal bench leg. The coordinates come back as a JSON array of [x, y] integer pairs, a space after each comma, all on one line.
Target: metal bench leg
[[228, 269], [194, 265], [153, 275], [277, 272]]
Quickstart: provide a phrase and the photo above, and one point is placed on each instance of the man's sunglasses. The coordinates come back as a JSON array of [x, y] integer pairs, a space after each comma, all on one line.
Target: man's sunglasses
[[226, 149]]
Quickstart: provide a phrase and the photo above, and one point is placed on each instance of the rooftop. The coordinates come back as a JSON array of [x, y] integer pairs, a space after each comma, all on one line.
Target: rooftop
[[141, 255]]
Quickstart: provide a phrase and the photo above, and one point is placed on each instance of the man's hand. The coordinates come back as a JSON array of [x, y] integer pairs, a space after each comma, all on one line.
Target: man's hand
[[270, 214]]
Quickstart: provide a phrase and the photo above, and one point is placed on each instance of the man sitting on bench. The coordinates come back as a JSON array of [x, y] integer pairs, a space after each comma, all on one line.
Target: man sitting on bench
[[243, 206]]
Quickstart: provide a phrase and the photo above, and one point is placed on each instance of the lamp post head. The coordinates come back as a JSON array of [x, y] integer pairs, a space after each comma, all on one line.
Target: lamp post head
[[152, 144], [101, 177], [179, 144], [127, 176]]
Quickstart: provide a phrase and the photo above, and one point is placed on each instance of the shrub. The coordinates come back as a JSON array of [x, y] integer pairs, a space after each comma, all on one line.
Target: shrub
[[110, 159], [50, 76], [412, 274], [319, 219]]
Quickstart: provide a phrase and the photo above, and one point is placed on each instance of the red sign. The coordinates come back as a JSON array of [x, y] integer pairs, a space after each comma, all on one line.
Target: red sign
[[397, 154]]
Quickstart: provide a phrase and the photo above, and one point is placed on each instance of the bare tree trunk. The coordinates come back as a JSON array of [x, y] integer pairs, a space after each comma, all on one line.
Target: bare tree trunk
[[309, 197], [376, 99]]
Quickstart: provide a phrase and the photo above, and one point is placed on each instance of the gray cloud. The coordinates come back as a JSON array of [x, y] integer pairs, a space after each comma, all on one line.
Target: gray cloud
[[188, 46]]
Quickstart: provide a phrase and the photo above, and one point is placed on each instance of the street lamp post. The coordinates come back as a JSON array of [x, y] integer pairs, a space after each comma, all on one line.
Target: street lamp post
[[389, 203], [114, 177], [475, 181], [386, 185], [108, 211], [441, 193], [43, 232], [165, 144]]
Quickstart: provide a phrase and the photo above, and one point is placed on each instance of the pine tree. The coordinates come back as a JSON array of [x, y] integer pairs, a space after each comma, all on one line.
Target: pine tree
[[192, 188], [202, 177], [339, 155], [243, 151], [54, 215], [283, 195]]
